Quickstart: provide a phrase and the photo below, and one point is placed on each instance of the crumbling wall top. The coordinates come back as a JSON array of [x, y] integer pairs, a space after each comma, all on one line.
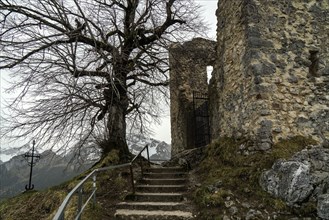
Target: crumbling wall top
[[198, 49]]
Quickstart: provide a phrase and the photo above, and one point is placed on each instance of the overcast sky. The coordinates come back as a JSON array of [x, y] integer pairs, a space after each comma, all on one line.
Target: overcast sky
[[162, 131]]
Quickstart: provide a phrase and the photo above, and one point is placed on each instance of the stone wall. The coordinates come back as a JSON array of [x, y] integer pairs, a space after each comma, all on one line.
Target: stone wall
[[230, 87], [188, 63], [271, 77]]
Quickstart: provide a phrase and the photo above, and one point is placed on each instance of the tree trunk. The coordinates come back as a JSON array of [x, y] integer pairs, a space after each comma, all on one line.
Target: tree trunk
[[116, 128], [117, 103]]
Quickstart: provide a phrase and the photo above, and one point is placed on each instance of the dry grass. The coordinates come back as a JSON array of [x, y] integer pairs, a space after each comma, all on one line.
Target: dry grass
[[112, 187]]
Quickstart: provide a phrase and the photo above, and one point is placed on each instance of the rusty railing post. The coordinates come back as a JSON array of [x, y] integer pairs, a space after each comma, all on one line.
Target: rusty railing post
[[148, 155], [141, 162], [94, 190], [80, 201], [132, 178]]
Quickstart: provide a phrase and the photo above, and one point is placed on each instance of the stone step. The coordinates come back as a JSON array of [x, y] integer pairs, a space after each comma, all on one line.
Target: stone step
[[164, 206], [156, 197], [159, 195], [164, 175], [173, 181], [128, 214], [165, 170], [161, 188]]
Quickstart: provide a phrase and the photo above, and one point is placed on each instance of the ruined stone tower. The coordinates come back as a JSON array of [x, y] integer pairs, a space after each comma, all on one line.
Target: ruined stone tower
[[271, 78], [188, 63], [271, 72]]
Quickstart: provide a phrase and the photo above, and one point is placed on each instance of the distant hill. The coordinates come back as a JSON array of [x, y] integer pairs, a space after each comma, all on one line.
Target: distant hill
[[53, 169]]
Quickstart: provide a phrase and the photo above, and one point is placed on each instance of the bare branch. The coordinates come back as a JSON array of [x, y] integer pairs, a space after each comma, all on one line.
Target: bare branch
[[89, 64], [18, 61]]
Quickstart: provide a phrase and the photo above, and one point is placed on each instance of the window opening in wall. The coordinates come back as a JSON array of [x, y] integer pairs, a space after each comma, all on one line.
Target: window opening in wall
[[314, 67], [209, 73]]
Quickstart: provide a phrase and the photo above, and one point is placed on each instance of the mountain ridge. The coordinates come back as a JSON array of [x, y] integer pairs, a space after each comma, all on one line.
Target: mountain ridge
[[52, 169]]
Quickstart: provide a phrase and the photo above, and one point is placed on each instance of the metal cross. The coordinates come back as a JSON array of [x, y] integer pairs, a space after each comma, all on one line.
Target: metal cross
[[31, 164]]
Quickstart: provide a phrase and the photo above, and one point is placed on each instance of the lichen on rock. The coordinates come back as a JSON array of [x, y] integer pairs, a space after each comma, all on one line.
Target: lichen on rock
[[288, 180], [300, 179]]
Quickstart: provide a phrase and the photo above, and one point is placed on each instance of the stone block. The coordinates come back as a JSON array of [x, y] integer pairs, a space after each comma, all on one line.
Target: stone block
[[265, 146], [293, 79], [263, 68], [257, 42], [276, 106], [265, 112], [277, 130], [324, 71]]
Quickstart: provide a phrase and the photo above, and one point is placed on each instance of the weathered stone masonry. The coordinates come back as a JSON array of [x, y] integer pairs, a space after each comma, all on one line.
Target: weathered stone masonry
[[271, 73], [188, 63], [271, 78]]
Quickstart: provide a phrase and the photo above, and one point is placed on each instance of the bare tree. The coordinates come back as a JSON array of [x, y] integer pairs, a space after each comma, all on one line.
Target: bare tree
[[77, 62]]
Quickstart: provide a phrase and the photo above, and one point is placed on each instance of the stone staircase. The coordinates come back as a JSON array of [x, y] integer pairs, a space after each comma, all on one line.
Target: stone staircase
[[159, 195]]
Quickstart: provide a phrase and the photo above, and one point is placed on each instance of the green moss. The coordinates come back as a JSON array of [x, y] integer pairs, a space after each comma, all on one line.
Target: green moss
[[286, 148], [206, 198], [119, 182], [110, 159], [240, 174], [307, 209], [279, 204]]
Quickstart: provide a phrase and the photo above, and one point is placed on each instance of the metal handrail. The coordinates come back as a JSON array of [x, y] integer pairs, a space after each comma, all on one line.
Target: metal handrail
[[79, 187], [133, 160]]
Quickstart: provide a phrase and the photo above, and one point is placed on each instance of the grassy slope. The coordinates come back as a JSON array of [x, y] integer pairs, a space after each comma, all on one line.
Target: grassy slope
[[113, 186], [236, 177]]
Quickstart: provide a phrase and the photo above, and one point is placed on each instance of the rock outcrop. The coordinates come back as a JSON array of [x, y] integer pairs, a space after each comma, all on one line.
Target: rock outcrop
[[302, 178]]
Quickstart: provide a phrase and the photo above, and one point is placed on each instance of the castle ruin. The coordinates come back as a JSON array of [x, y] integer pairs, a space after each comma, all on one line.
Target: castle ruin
[[271, 73], [188, 64]]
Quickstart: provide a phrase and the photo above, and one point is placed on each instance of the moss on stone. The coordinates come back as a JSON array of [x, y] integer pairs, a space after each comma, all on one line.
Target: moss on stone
[[207, 198], [286, 148], [307, 208], [239, 174], [110, 159]]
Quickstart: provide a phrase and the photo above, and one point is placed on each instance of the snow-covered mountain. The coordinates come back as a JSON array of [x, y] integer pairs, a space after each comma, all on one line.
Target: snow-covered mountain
[[158, 150], [90, 152]]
